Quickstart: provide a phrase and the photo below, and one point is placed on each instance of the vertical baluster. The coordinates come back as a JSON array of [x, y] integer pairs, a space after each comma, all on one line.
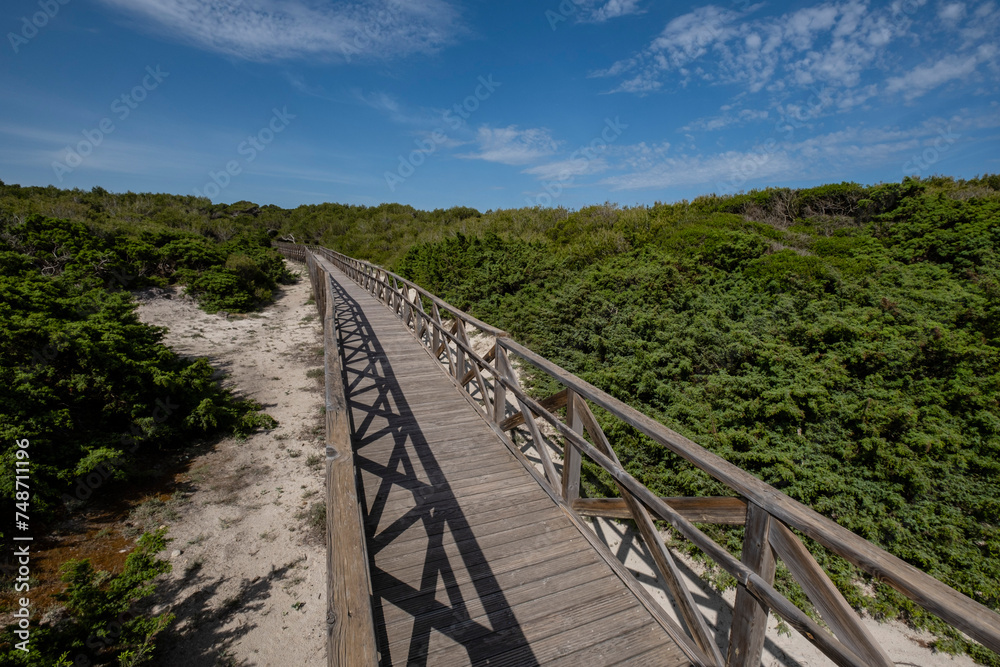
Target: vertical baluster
[[746, 641], [571, 456]]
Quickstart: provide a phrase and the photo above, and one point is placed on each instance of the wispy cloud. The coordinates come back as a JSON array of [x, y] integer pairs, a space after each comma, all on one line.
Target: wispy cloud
[[920, 80], [611, 9], [564, 170], [645, 167], [698, 170], [840, 46], [265, 30], [729, 118], [513, 146]]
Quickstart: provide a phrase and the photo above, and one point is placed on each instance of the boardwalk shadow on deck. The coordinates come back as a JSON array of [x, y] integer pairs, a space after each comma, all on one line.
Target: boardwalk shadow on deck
[[373, 391]]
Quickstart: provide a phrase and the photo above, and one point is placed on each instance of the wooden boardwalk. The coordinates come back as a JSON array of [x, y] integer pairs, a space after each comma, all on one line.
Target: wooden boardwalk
[[472, 562]]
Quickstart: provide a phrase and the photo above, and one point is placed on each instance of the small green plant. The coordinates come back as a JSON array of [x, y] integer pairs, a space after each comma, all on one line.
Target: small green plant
[[96, 602], [314, 517]]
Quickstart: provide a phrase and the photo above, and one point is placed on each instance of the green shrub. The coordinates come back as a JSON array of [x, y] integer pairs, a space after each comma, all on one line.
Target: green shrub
[[103, 623]]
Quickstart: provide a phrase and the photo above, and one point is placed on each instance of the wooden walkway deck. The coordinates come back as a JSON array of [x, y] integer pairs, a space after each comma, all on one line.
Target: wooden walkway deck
[[472, 562]]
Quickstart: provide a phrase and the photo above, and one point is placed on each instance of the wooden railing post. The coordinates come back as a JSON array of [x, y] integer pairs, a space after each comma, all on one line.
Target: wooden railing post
[[770, 516], [571, 456], [669, 572], [746, 641], [459, 352], [499, 390]]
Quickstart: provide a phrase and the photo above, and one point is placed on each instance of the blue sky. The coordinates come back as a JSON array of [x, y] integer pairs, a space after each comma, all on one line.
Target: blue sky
[[439, 103]]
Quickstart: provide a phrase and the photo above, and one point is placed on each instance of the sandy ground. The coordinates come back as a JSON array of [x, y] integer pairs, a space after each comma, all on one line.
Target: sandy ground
[[249, 567]]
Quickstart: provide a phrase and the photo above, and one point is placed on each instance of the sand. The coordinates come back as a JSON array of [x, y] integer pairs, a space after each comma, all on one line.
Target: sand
[[249, 580]]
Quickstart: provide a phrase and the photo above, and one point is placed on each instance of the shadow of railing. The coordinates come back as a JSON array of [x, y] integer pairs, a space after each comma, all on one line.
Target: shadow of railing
[[379, 410]]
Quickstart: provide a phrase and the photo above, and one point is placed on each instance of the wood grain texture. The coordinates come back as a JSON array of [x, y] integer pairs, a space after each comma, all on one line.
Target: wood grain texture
[[665, 564], [746, 642], [448, 344], [824, 595], [350, 626], [724, 510], [979, 622]]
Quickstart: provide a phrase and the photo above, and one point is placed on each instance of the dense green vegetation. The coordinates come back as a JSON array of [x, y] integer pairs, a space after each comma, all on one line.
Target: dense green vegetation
[[91, 387], [842, 343]]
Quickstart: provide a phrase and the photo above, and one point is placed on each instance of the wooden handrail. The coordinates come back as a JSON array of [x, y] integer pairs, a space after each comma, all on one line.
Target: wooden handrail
[[770, 516], [940, 599], [350, 621], [373, 274]]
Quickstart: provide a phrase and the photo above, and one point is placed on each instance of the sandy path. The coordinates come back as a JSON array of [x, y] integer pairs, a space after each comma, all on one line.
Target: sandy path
[[248, 585]]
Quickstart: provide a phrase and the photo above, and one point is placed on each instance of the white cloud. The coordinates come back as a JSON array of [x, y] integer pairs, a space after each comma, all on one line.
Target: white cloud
[[831, 44], [727, 119], [920, 80], [264, 30], [707, 171], [599, 11], [613, 9], [785, 158], [566, 170], [510, 145], [951, 12]]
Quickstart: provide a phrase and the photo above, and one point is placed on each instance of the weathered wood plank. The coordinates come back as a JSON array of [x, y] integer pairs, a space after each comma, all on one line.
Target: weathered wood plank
[[572, 460], [761, 590], [665, 564], [824, 595], [552, 403], [516, 564], [528, 600], [974, 619], [350, 625], [720, 510], [467, 537], [746, 641]]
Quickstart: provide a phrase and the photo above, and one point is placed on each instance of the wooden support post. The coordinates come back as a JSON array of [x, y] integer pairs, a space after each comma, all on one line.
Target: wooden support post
[[832, 606], [436, 333], [746, 641], [459, 352], [668, 569], [571, 455], [499, 390]]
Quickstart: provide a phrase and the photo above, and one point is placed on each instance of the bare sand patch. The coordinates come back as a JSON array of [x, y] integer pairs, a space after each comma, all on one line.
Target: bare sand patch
[[249, 562]]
